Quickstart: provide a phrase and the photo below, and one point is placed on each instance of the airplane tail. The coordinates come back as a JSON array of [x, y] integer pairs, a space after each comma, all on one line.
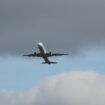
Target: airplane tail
[[49, 62]]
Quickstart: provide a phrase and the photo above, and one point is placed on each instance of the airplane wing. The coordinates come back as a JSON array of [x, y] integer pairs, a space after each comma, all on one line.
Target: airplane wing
[[58, 54], [34, 55], [54, 54]]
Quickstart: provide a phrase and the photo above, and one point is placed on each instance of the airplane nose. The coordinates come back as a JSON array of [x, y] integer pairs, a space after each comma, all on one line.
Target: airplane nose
[[40, 44]]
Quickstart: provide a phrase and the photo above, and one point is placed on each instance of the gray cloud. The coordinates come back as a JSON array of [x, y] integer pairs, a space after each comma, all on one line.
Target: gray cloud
[[62, 25], [69, 88]]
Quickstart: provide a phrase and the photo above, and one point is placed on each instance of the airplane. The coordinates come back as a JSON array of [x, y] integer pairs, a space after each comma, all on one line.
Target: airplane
[[44, 54]]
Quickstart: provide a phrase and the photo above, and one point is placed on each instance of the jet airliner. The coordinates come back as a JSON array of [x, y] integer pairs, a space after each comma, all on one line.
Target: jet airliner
[[44, 54]]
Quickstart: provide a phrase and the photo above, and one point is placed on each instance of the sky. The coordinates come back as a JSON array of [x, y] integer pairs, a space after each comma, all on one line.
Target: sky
[[76, 27]]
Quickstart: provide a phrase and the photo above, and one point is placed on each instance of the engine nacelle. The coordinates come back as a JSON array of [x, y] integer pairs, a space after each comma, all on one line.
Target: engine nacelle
[[35, 53], [50, 53]]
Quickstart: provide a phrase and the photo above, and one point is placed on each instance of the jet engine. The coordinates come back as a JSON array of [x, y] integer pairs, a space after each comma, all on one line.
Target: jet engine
[[50, 54], [35, 53]]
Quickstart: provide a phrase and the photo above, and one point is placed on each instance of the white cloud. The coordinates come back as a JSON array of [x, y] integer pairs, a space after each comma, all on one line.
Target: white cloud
[[69, 88]]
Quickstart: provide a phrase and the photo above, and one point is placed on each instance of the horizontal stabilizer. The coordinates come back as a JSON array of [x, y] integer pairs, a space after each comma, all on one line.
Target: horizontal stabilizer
[[49, 62]]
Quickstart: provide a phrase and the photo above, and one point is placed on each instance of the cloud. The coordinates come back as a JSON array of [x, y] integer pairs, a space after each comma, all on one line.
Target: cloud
[[69, 88], [62, 25]]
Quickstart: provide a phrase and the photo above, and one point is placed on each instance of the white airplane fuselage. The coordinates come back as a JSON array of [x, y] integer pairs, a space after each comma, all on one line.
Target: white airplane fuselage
[[43, 52], [41, 48]]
